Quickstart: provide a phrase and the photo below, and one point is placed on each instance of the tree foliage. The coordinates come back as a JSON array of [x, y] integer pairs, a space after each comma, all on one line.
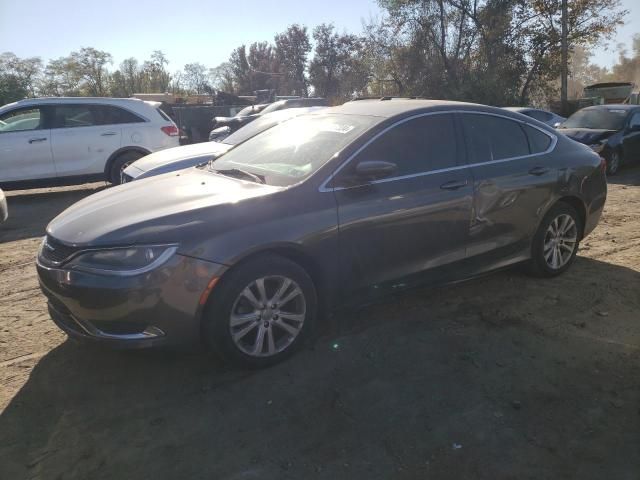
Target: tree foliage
[[500, 52]]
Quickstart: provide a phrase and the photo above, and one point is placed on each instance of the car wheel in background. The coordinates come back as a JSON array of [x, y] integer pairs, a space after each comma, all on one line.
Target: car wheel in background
[[260, 312], [614, 160], [120, 164], [556, 242]]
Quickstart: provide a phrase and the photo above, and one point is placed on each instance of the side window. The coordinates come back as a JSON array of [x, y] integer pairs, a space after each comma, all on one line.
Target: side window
[[538, 141], [416, 146], [494, 138], [110, 115], [21, 119], [68, 116]]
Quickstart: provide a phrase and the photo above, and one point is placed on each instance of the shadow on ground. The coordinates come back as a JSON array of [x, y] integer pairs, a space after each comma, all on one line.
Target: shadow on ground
[[503, 378], [46, 204], [629, 175]]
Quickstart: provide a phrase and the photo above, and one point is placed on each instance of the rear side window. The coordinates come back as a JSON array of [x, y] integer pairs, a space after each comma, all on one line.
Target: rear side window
[[111, 115], [69, 116], [419, 145], [538, 141], [494, 138]]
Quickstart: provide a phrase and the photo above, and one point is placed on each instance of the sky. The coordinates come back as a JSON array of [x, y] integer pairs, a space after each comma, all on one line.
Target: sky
[[191, 30]]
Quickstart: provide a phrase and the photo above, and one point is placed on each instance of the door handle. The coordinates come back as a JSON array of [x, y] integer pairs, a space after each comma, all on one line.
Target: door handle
[[537, 171], [454, 185], [108, 134], [35, 140]]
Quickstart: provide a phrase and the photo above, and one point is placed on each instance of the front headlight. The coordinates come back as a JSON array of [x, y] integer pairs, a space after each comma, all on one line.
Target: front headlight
[[597, 147], [122, 261]]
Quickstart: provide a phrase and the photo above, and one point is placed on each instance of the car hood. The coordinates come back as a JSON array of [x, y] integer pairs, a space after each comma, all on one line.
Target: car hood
[[588, 136], [177, 154], [161, 209]]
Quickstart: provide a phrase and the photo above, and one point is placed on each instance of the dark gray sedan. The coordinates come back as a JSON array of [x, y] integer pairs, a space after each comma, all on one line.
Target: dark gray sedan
[[329, 208]]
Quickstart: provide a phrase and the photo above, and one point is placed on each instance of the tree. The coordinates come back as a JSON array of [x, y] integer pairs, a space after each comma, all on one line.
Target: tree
[[91, 65], [195, 77], [221, 77], [61, 77], [336, 70], [292, 48], [22, 73], [241, 71]]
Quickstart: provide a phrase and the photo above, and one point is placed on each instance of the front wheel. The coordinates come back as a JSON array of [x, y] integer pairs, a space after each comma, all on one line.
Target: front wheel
[[556, 242], [261, 312]]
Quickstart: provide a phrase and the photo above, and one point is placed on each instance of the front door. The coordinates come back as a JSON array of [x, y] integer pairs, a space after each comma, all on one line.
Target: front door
[[25, 145], [394, 228], [81, 146]]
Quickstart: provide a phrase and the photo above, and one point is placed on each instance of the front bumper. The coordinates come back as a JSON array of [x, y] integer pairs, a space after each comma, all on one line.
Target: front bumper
[[154, 308]]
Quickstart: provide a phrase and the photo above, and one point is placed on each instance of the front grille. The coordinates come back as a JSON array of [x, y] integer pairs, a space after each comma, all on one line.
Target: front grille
[[54, 251]]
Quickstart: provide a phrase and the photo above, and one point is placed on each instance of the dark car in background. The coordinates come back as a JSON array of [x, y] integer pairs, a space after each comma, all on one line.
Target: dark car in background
[[544, 116], [334, 207], [612, 131], [225, 126]]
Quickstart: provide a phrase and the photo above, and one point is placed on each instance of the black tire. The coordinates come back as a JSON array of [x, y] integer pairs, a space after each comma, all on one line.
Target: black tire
[[614, 162], [538, 265], [216, 321], [121, 162]]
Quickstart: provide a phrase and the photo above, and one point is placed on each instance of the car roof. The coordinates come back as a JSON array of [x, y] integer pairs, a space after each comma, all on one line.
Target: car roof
[[105, 100], [397, 106], [612, 106]]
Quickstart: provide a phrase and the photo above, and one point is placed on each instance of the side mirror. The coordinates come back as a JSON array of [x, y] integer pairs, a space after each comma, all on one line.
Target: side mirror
[[375, 169]]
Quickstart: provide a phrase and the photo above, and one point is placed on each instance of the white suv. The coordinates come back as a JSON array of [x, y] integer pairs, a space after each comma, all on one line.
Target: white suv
[[62, 141]]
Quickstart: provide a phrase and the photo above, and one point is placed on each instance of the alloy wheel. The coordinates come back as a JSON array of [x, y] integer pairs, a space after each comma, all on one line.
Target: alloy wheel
[[267, 316], [560, 241]]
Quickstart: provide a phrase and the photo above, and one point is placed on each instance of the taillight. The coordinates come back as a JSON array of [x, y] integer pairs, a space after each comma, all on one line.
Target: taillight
[[170, 130]]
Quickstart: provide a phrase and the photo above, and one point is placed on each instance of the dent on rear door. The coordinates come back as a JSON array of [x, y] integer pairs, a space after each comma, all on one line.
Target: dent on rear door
[[509, 202]]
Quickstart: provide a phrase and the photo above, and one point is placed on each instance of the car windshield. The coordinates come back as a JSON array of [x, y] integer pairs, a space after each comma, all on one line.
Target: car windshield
[[293, 150], [259, 125], [597, 118]]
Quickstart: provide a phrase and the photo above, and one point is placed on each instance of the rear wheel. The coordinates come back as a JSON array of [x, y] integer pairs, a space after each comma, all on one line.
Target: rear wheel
[[261, 312], [556, 242], [120, 164]]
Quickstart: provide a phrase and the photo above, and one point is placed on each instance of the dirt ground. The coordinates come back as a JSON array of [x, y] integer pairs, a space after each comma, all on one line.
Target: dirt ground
[[505, 377]]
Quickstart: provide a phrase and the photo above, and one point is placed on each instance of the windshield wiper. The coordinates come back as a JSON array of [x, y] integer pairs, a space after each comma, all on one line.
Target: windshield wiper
[[233, 172]]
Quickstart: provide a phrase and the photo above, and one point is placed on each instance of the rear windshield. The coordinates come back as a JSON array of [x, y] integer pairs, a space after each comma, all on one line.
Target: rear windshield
[[597, 118]]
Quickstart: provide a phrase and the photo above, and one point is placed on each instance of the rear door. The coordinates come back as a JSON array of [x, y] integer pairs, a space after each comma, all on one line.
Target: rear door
[[25, 145], [81, 141], [513, 177], [396, 227]]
